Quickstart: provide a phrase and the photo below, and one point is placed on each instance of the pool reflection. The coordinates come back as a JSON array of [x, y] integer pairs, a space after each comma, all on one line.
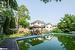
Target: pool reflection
[[48, 43], [68, 42]]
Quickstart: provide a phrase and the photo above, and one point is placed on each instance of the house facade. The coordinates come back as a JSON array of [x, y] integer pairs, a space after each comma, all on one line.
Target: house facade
[[49, 26], [41, 26], [37, 26]]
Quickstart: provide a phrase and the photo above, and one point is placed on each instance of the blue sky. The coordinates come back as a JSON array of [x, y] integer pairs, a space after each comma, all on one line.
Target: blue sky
[[50, 12]]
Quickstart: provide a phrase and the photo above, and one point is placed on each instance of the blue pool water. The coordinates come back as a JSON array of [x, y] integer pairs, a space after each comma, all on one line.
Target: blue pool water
[[48, 43]]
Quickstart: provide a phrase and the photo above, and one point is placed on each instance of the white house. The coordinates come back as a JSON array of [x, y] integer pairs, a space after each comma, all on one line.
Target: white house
[[37, 26], [41, 26], [49, 26]]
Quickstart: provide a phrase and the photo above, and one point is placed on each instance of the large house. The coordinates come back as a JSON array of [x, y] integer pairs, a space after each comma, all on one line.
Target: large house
[[41, 26], [37, 26], [37, 23]]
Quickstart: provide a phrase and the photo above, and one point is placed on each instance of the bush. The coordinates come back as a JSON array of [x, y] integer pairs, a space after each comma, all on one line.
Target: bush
[[56, 30], [23, 34]]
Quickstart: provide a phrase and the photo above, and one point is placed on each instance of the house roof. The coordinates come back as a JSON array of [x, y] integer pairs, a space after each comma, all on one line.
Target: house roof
[[36, 26], [48, 24], [38, 21], [54, 25]]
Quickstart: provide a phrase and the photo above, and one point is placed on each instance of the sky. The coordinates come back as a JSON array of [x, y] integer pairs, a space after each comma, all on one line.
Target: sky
[[51, 12]]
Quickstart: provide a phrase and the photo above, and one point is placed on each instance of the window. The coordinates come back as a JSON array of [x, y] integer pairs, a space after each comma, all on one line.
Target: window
[[38, 22], [47, 27]]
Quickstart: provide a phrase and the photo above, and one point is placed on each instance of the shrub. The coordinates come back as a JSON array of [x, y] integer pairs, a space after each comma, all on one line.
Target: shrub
[[56, 30]]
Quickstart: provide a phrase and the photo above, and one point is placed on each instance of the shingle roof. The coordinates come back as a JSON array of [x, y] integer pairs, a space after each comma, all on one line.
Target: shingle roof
[[38, 21], [48, 24], [36, 26]]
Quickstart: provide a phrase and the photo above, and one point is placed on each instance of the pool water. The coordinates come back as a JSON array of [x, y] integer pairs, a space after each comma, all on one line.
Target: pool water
[[48, 43]]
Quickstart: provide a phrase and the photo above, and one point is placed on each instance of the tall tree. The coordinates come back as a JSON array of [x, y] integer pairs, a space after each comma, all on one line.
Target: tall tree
[[6, 10], [9, 3], [23, 16], [67, 23]]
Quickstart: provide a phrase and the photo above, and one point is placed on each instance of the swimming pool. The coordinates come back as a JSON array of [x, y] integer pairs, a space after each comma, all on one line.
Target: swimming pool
[[51, 42]]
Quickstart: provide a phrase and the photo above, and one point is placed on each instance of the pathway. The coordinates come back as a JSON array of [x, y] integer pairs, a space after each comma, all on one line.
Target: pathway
[[10, 44]]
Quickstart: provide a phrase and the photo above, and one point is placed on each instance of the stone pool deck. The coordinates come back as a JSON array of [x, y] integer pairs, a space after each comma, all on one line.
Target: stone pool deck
[[10, 44]]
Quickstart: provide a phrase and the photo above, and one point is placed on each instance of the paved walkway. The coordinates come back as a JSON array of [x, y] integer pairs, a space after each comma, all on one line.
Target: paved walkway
[[10, 44]]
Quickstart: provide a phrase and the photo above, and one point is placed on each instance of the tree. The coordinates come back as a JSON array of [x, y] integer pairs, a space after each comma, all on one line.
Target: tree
[[67, 23], [9, 4], [12, 22], [23, 16], [6, 10], [56, 30], [23, 22]]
